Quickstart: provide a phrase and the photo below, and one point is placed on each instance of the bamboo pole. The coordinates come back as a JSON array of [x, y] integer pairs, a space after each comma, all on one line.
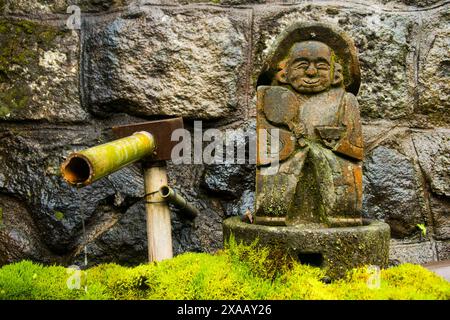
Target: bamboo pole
[[159, 229], [84, 167]]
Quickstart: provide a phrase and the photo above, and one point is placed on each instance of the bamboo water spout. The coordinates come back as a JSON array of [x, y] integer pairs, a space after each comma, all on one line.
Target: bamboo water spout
[[84, 167], [177, 200]]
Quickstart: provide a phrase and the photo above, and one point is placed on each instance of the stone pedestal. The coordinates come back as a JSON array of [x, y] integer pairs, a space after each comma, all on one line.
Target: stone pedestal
[[335, 249]]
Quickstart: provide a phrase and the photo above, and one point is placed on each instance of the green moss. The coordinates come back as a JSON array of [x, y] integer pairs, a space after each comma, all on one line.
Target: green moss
[[20, 42], [59, 215], [238, 272]]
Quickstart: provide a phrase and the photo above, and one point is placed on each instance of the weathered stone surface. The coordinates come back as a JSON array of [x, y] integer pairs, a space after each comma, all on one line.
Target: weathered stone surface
[[391, 192], [242, 2], [443, 250], [168, 61], [434, 70], [19, 238], [417, 3], [234, 183], [229, 180], [406, 252], [241, 205], [385, 43], [39, 7], [433, 150], [336, 249], [39, 73], [440, 210], [123, 240]]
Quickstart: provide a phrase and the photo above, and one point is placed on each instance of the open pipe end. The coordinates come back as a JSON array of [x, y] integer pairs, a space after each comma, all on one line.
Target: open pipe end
[[164, 191], [76, 170]]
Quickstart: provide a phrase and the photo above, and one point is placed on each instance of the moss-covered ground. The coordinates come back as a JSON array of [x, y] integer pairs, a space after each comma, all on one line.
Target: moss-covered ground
[[237, 272]]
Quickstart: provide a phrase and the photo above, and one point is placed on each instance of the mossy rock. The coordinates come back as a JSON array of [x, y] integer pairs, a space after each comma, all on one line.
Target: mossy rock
[[38, 72], [19, 50], [336, 250], [60, 6]]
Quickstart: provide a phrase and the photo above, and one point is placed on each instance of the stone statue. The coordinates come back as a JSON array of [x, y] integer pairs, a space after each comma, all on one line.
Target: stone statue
[[310, 149], [310, 99]]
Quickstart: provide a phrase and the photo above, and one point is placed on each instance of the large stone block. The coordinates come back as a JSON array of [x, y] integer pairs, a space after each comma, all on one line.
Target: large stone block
[[408, 252], [417, 3], [433, 150], [440, 210], [434, 69], [122, 239], [443, 250], [40, 7], [391, 191], [19, 238], [186, 62], [385, 42], [39, 72]]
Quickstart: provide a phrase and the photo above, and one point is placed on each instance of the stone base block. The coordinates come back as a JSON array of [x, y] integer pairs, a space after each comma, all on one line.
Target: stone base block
[[335, 249]]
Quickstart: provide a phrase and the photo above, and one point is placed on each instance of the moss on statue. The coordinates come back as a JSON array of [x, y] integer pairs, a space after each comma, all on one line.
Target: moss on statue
[[21, 42], [238, 272]]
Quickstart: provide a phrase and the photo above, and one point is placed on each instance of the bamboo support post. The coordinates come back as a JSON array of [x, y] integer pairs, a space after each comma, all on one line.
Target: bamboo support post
[[159, 229]]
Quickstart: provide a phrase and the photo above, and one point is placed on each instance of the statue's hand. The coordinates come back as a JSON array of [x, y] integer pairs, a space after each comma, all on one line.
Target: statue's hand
[[330, 136], [330, 143], [298, 129]]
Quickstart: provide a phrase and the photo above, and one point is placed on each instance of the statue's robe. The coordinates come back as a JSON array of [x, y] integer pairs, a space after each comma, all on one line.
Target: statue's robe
[[316, 181]]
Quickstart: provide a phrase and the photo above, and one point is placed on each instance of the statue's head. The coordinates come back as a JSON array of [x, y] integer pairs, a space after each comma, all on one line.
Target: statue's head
[[310, 67], [311, 58]]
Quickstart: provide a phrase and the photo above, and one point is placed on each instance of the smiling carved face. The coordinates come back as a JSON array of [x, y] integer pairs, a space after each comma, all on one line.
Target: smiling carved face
[[309, 67]]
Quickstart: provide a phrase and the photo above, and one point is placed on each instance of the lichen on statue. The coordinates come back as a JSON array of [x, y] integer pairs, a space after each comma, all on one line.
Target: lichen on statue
[[319, 178]]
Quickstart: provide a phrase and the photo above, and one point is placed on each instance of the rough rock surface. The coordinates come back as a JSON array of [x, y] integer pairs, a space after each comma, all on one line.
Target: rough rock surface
[[404, 252], [60, 6], [433, 149], [136, 60], [20, 238], [196, 59], [443, 250], [390, 191], [434, 70], [39, 72], [441, 216]]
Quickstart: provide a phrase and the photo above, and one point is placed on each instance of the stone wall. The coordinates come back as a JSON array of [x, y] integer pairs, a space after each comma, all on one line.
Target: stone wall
[[62, 90]]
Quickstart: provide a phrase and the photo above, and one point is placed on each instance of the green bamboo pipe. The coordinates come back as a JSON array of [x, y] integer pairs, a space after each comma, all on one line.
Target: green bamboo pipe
[[178, 201], [84, 167]]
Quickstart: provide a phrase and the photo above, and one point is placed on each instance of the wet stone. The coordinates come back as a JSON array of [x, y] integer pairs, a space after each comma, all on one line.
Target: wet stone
[[391, 191]]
